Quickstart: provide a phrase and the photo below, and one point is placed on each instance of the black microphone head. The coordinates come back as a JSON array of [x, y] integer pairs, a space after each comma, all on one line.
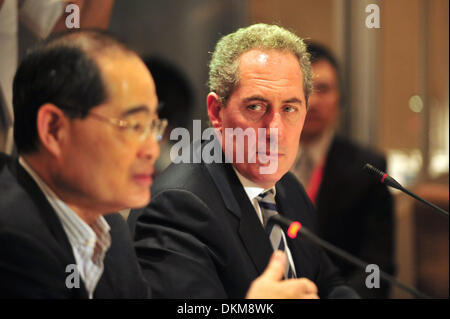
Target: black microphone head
[[383, 177], [373, 170]]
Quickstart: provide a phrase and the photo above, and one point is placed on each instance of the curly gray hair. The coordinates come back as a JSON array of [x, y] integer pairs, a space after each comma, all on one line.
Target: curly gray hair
[[224, 65]]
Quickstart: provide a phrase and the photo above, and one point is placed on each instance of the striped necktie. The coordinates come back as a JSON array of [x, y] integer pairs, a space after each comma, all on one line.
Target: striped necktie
[[266, 201]]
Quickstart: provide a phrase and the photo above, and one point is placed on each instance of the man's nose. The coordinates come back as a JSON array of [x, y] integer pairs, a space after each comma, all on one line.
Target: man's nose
[[275, 125], [150, 148]]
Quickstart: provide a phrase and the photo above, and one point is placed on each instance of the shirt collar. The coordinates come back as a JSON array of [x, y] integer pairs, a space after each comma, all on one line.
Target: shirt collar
[[78, 232], [252, 189]]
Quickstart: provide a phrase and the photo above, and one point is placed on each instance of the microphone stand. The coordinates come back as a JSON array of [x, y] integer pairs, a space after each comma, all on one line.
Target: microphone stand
[[293, 227], [388, 180]]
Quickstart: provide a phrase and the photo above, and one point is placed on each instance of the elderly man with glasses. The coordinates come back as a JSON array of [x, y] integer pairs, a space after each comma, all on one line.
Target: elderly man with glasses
[[87, 132]]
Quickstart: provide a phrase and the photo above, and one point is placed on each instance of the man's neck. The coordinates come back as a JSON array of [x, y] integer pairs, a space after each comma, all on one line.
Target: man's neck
[[38, 167]]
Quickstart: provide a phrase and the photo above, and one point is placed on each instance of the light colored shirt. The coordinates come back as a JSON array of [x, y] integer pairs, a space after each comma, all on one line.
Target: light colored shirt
[[89, 243], [253, 190]]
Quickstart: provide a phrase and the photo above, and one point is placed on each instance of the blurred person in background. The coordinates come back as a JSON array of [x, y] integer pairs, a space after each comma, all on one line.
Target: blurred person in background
[[176, 99], [354, 212], [41, 17]]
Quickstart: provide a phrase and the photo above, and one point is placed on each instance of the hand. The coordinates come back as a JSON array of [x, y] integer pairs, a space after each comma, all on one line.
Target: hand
[[271, 286]]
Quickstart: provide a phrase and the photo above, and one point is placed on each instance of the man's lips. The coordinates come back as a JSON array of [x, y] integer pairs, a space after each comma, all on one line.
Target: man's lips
[[145, 179], [270, 156], [270, 153]]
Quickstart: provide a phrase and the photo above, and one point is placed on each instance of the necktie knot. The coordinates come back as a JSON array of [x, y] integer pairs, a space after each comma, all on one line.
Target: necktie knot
[[268, 206]]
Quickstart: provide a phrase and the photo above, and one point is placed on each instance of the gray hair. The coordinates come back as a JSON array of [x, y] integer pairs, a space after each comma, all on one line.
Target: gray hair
[[224, 65]]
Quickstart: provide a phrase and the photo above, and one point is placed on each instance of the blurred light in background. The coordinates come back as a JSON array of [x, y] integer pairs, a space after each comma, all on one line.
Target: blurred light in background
[[416, 103], [404, 166], [439, 138]]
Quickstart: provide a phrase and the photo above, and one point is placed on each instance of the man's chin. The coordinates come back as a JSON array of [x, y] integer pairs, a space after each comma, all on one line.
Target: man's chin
[[265, 180], [138, 201]]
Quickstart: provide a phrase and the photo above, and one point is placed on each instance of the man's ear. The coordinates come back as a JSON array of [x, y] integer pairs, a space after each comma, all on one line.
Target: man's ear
[[52, 127], [214, 110]]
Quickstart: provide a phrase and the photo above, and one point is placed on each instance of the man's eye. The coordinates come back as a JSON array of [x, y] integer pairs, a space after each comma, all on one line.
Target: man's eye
[[255, 107], [137, 127], [289, 109]]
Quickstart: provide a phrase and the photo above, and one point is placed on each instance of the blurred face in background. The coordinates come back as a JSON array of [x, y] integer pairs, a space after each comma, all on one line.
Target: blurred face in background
[[323, 104]]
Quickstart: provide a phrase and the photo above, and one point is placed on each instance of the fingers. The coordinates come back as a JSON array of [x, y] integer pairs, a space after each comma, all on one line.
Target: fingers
[[307, 286], [301, 288], [271, 286], [276, 267]]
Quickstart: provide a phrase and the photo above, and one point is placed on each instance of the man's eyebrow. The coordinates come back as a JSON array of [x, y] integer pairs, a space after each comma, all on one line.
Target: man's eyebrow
[[256, 98], [263, 99], [134, 110], [293, 100]]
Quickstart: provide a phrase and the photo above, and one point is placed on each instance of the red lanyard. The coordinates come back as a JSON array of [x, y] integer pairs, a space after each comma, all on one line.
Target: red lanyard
[[314, 181]]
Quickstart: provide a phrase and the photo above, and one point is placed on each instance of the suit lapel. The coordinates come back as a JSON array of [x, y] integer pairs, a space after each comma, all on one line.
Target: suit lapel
[[236, 201], [287, 208], [44, 208], [48, 215], [106, 286]]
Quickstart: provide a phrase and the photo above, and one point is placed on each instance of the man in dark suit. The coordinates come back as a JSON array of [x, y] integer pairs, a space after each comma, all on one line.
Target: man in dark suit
[[355, 212], [86, 131], [206, 232]]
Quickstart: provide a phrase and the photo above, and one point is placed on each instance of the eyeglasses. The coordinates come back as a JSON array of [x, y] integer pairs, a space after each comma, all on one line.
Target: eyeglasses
[[156, 127]]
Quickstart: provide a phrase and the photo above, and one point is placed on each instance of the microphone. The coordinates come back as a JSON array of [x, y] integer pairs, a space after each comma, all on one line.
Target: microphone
[[388, 180], [294, 227]]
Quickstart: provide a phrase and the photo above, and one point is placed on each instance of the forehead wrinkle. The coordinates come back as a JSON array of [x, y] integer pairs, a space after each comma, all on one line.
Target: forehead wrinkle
[[279, 87], [278, 75], [266, 77]]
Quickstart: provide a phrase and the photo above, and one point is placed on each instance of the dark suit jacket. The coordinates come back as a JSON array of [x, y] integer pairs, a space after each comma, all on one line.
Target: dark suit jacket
[[35, 251], [200, 236], [355, 212]]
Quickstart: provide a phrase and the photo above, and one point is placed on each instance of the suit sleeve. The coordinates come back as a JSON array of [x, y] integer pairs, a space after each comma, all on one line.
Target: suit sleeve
[[122, 265], [174, 241], [28, 269]]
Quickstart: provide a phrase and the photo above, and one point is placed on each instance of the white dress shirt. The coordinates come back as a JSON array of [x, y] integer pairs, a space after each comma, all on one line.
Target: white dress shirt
[[89, 243]]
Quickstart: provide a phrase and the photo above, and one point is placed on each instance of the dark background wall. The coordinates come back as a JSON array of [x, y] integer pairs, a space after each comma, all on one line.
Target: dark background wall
[[183, 32]]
